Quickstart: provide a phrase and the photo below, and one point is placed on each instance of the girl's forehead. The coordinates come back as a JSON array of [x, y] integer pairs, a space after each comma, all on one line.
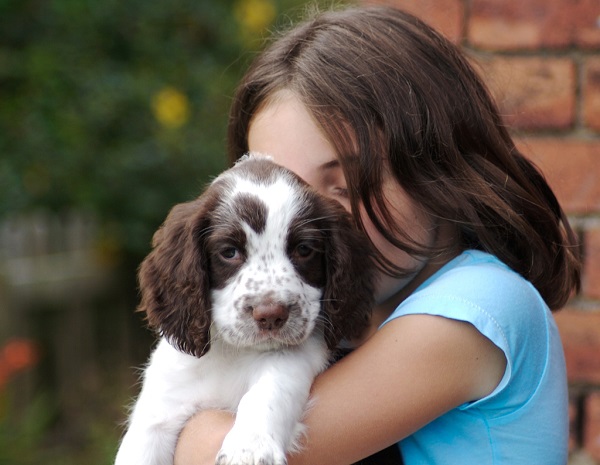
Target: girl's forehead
[[285, 130]]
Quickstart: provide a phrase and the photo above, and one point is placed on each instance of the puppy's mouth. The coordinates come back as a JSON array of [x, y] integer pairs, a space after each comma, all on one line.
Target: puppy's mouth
[[268, 322], [284, 337], [270, 335], [291, 333]]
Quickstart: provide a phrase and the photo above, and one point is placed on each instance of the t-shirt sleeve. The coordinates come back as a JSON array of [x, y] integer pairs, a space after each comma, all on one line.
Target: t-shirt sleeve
[[503, 307]]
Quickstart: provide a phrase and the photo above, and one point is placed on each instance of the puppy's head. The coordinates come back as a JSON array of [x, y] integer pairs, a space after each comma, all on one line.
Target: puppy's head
[[259, 259]]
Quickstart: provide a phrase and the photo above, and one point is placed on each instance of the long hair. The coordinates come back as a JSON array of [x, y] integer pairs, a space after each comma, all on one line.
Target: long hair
[[385, 86]]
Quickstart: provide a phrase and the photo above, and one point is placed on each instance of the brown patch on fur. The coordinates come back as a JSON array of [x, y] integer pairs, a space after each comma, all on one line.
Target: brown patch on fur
[[174, 281]]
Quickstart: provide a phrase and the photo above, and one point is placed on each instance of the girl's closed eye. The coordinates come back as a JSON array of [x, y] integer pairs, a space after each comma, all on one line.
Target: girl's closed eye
[[340, 192]]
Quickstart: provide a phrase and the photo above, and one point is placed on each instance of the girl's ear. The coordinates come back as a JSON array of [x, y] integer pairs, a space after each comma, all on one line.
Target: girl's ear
[[349, 293], [174, 281]]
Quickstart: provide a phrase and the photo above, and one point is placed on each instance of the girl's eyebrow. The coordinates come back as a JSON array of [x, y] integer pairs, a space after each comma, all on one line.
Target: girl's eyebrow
[[335, 163], [330, 164]]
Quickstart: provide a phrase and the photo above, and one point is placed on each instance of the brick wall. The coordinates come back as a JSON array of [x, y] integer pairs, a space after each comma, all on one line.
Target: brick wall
[[541, 58]]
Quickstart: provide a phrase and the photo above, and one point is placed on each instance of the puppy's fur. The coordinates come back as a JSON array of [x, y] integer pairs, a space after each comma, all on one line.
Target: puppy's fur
[[250, 286]]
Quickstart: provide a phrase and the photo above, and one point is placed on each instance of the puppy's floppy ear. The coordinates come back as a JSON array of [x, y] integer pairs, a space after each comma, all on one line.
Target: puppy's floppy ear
[[174, 280], [349, 293]]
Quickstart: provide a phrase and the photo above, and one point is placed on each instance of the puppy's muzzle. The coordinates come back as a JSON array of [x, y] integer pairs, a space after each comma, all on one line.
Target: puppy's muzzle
[[269, 316]]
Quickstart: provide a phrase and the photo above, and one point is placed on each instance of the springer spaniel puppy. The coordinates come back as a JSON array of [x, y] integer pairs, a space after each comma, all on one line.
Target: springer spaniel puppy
[[250, 287]]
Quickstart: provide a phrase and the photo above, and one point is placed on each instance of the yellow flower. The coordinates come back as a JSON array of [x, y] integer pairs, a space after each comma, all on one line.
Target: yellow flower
[[255, 15], [171, 107]]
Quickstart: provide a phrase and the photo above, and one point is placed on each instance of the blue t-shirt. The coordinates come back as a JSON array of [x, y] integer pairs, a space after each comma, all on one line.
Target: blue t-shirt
[[525, 419]]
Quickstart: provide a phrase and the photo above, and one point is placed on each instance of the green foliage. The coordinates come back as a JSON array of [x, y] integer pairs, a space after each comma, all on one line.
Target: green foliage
[[79, 123], [32, 437], [20, 438]]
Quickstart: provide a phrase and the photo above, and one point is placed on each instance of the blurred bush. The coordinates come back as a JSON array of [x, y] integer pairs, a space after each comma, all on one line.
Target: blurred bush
[[119, 107]]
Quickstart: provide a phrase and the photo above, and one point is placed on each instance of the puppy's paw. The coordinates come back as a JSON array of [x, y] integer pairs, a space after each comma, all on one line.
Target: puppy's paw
[[250, 449]]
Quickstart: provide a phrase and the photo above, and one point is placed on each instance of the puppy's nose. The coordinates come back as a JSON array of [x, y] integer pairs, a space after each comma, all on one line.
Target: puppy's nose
[[270, 316]]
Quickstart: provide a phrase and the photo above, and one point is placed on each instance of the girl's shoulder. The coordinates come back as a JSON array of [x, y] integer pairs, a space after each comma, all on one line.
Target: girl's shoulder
[[477, 288], [478, 282]]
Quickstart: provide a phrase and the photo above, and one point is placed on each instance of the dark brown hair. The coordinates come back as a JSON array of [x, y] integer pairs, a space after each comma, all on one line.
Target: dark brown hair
[[384, 85]]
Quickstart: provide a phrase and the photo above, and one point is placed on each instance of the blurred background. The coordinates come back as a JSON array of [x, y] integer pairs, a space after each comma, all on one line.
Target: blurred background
[[110, 112], [113, 111]]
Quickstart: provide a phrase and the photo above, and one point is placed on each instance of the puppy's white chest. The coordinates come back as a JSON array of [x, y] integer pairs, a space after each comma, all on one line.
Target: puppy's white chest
[[220, 378], [205, 382]]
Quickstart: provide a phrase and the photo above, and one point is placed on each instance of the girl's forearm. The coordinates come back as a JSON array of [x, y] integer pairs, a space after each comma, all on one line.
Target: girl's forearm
[[411, 371], [202, 437]]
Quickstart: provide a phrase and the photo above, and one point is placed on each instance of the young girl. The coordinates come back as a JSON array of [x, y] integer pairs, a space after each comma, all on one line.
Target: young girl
[[463, 363]]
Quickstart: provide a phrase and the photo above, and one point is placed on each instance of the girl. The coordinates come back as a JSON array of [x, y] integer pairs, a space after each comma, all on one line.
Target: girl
[[463, 362]]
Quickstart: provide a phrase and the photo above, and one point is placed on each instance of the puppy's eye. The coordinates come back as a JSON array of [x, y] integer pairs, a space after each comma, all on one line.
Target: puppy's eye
[[230, 253], [304, 250]]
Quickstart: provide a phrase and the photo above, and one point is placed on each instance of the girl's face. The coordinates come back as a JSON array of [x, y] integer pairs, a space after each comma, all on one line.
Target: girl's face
[[285, 130]]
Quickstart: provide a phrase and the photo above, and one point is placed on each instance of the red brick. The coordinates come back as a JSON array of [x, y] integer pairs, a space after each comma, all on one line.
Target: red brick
[[572, 167], [591, 264], [447, 16], [591, 435], [533, 24], [580, 333], [588, 29], [532, 92], [591, 93]]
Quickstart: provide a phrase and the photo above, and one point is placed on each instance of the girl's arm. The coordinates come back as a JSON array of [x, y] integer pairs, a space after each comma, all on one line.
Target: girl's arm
[[408, 373]]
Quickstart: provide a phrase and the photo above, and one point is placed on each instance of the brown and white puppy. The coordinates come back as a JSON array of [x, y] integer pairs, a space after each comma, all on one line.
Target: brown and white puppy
[[250, 286]]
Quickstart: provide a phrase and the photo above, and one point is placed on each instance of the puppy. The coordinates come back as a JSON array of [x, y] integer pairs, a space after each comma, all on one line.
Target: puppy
[[250, 287]]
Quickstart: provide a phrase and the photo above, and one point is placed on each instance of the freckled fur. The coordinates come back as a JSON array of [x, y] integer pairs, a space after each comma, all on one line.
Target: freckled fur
[[212, 353]]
